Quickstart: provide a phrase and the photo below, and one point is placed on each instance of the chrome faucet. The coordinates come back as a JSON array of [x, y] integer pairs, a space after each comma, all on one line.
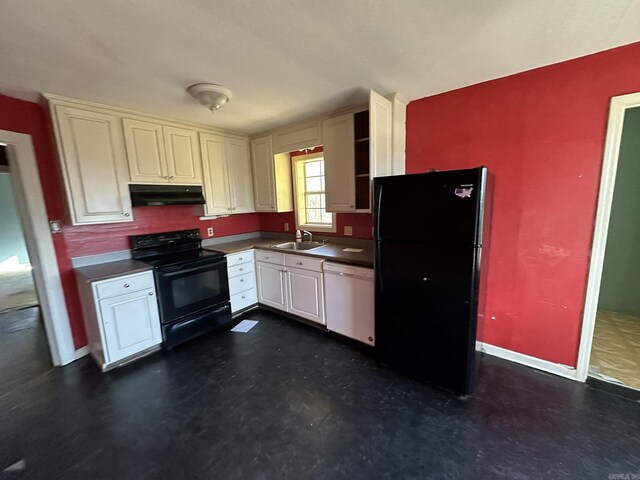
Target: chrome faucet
[[308, 233]]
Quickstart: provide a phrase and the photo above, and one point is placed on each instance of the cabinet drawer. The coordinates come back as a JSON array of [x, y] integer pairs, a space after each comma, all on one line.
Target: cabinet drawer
[[241, 269], [307, 263], [241, 283], [126, 284], [240, 257], [243, 300], [270, 257]]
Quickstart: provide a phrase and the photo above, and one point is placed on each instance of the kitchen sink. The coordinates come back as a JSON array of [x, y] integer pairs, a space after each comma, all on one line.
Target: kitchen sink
[[298, 245]]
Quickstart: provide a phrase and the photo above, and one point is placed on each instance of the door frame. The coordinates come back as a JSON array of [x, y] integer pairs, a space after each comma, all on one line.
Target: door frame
[[617, 110], [27, 188]]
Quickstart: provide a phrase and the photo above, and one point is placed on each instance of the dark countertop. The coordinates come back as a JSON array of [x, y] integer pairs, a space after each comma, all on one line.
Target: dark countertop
[[330, 251], [103, 271]]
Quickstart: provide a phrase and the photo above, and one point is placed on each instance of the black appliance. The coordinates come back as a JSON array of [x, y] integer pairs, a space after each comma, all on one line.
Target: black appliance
[[158, 195], [428, 250], [191, 283]]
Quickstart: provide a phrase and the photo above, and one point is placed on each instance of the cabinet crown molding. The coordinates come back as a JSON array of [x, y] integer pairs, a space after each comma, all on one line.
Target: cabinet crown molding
[[125, 112]]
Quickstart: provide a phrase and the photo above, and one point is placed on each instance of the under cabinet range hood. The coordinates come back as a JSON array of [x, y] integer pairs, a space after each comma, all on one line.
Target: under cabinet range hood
[[158, 195]]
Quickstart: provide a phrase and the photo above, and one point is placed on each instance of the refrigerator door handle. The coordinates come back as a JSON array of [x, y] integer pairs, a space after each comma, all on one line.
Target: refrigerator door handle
[[378, 209], [378, 266]]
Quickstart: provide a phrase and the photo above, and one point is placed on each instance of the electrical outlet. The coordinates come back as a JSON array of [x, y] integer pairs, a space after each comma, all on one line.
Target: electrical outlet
[[286, 227], [210, 231], [348, 231]]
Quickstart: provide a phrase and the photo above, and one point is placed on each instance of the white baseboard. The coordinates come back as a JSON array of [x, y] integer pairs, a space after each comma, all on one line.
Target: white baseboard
[[528, 361], [81, 352]]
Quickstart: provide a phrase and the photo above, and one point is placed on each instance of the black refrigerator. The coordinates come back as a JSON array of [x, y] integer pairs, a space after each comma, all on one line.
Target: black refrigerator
[[428, 251]]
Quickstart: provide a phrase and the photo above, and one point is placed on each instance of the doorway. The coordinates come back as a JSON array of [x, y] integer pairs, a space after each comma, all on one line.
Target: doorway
[[27, 190], [610, 343], [23, 347]]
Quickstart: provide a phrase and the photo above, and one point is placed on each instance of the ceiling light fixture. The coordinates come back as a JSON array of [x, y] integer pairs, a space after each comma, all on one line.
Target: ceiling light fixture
[[210, 95]]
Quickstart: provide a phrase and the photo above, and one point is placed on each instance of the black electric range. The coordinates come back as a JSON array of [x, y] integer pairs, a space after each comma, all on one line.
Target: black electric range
[[191, 283]]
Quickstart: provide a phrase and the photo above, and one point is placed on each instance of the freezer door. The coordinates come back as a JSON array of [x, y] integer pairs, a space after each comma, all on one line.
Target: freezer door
[[439, 207], [426, 308]]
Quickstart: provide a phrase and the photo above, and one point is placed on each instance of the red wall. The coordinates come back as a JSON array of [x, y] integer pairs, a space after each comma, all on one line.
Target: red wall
[[541, 133]]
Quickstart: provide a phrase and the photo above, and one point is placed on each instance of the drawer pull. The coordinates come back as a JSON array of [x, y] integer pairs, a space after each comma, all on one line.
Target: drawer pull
[[126, 285], [240, 258], [241, 280], [243, 296], [242, 269], [298, 263], [151, 294]]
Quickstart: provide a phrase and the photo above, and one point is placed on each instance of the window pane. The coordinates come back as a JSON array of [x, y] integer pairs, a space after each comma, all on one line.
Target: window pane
[[314, 215], [314, 184], [323, 200], [327, 218], [313, 169], [314, 200]]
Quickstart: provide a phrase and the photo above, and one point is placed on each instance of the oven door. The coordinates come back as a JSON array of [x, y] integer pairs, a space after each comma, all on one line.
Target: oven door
[[190, 287]]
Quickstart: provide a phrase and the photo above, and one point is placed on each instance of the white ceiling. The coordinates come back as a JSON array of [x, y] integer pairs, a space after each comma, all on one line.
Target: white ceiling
[[288, 59]]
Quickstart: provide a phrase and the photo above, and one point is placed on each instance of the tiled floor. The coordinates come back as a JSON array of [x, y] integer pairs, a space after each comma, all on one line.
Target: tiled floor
[[287, 401], [615, 355]]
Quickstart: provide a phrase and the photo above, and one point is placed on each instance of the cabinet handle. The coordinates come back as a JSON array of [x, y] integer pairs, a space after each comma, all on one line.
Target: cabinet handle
[[127, 214], [171, 178], [242, 269], [243, 296], [298, 263], [126, 285], [166, 177], [240, 258], [234, 208], [242, 280], [229, 208], [151, 294], [350, 206]]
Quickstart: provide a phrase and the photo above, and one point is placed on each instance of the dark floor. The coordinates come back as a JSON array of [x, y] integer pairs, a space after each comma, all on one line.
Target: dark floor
[[286, 401], [24, 353]]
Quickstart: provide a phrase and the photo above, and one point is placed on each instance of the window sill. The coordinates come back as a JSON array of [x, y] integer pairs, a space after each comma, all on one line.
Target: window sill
[[317, 229]]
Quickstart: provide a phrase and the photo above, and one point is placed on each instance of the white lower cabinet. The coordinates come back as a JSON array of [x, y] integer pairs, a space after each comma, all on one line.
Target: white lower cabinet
[[298, 290], [350, 301], [242, 280], [130, 322], [305, 294], [272, 289], [121, 317]]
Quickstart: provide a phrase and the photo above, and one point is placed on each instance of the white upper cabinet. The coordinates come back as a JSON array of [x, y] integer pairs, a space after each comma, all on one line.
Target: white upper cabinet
[[271, 177], [94, 161], [357, 147], [339, 163], [161, 153], [301, 135], [239, 170], [145, 150], [227, 175], [183, 155], [380, 135]]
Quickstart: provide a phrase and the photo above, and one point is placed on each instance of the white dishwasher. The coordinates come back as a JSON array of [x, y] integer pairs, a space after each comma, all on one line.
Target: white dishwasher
[[349, 298]]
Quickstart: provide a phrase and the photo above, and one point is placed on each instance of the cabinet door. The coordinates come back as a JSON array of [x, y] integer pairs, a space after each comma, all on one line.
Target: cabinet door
[[216, 182], [92, 151], [380, 135], [271, 285], [263, 174], [239, 171], [305, 294], [339, 163], [131, 323], [145, 151], [183, 155]]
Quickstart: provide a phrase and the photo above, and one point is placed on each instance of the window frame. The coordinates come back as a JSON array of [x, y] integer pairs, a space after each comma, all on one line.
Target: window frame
[[297, 167]]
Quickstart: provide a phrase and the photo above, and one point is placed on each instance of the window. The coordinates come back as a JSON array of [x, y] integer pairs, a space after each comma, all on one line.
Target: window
[[310, 197]]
